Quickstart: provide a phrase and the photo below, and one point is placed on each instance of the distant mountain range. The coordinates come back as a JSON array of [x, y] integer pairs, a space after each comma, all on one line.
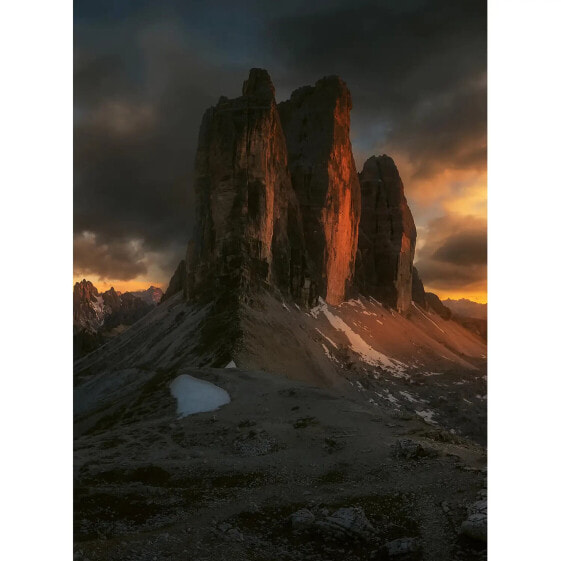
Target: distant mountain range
[[466, 308], [99, 315]]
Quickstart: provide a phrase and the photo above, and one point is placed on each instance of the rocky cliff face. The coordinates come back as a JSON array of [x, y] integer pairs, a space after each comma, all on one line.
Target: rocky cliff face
[[316, 122], [387, 235], [418, 294], [178, 281], [87, 306], [248, 230], [279, 203], [434, 303], [97, 313]]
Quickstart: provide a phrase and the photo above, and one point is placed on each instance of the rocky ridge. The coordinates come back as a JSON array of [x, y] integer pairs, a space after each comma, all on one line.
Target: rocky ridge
[[97, 314], [387, 235], [280, 203]]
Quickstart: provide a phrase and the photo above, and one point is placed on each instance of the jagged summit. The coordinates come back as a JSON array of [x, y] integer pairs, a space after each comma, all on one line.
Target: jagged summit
[[259, 83], [280, 204], [97, 313], [333, 83], [387, 235]]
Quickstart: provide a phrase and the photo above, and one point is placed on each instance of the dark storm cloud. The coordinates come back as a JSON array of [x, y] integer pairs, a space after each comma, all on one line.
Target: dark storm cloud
[[466, 248], [454, 252], [135, 136], [144, 72], [121, 259], [417, 72]]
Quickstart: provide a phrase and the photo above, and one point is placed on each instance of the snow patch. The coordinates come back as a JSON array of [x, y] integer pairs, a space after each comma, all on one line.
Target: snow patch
[[98, 305], [355, 303], [409, 397], [330, 355], [427, 317], [326, 338], [389, 397], [358, 344], [427, 416], [197, 396], [359, 386]]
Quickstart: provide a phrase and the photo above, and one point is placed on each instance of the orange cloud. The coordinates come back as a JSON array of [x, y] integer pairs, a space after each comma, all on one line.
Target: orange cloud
[[457, 191], [474, 293]]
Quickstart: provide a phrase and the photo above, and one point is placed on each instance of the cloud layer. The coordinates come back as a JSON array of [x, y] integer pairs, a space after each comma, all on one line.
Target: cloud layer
[[453, 255]]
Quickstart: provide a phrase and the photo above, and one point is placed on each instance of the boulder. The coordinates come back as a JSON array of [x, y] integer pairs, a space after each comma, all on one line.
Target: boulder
[[406, 449], [475, 526], [302, 519], [402, 549], [346, 522]]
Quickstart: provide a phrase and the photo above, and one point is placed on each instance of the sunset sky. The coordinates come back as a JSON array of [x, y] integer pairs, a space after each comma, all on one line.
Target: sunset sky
[[144, 72]]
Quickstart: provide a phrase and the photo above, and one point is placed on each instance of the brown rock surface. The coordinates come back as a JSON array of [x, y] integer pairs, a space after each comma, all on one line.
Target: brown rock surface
[[87, 305], [387, 235], [177, 282], [316, 122], [248, 229], [111, 300], [418, 290], [434, 303]]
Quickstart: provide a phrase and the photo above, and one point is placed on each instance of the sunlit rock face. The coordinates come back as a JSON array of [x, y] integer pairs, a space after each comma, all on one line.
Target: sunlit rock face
[[278, 203], [387, 235], [87, 305], [316, 123], [248, 229]]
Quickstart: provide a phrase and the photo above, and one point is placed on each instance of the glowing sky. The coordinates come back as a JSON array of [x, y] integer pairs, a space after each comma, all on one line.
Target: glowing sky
[[146, 71]]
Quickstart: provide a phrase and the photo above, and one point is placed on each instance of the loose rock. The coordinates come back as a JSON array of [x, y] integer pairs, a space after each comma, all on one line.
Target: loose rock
[[346, 522], [302, 519], [475, 526], [410, 450], [402, 549]]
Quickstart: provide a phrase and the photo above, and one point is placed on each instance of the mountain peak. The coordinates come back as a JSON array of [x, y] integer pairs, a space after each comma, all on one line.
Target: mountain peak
[[259, 83], [387, 235]]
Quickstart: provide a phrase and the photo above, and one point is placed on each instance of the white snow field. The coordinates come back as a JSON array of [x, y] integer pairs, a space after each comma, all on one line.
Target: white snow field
[[197, 396]]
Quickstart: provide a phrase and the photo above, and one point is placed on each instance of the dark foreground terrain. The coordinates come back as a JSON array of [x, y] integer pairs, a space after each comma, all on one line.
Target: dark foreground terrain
[[286, 471]]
